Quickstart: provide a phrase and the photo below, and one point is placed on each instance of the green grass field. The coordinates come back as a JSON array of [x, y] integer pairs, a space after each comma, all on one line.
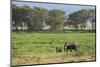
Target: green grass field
[[39, 48]]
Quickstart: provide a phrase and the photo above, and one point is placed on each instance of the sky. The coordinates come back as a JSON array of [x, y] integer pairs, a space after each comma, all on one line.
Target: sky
[[68, 8]]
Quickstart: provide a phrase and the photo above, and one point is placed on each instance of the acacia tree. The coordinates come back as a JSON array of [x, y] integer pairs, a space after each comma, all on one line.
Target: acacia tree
[[17, 16], [14, 16], [39, 15], [74, 20], [27, 16], [33, 18], [92, 18], [79, 18], [83, 14], [55, 19], [20, 16]]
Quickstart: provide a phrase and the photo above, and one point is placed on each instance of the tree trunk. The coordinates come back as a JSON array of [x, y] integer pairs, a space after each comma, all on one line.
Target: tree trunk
[[92, 26], [21, 27], [16, 28], [70, 27]]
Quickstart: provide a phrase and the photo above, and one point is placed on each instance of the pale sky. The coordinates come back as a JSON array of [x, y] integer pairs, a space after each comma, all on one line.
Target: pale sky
[[68, 8]]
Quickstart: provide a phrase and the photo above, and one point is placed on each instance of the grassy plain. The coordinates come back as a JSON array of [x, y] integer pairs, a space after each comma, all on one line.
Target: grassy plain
[[39, 47]]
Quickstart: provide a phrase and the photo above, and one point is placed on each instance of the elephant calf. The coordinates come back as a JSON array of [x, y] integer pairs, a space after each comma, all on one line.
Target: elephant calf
[[58, 49]]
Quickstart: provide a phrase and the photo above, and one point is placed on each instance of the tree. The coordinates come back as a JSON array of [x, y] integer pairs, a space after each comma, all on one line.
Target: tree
[[55, 19], [39, 15], [27, 16], [17, 16], [14, 16], [92, 18], [74, 19], [79, 18], [22, 15], [83, 14]]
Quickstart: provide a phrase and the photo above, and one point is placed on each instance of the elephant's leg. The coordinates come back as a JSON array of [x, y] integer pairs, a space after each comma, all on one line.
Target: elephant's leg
[[70, 50]]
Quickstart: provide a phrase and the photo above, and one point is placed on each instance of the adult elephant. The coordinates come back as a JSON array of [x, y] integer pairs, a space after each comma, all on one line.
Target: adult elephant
[[69, 46]]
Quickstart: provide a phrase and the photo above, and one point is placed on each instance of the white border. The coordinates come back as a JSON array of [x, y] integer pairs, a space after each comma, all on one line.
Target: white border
[[5, 33]]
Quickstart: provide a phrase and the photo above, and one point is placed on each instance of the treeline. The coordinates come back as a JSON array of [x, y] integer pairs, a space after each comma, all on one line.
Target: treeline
[[35, 19]]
